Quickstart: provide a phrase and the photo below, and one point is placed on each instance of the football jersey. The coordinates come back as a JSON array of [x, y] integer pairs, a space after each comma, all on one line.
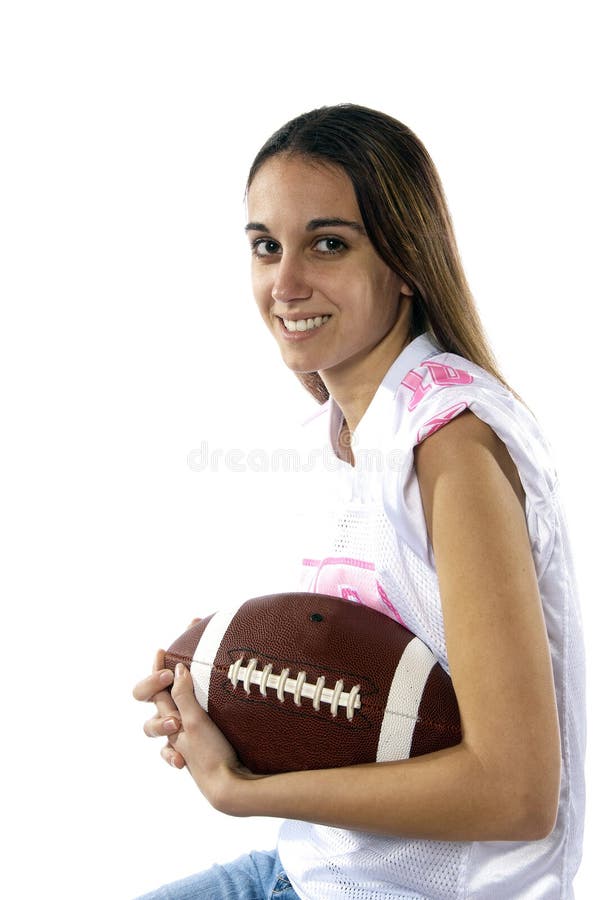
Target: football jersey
[[372, 548]]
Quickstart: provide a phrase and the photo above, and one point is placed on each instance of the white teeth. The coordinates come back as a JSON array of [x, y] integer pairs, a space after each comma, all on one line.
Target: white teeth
[[305, 324]]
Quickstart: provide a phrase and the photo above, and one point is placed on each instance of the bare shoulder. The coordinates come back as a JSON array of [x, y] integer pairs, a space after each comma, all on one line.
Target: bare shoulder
[[466, 448]]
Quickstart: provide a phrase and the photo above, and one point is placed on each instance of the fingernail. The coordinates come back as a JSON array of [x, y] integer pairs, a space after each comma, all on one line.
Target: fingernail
[[166, 677], [170, 725], [180, 670]]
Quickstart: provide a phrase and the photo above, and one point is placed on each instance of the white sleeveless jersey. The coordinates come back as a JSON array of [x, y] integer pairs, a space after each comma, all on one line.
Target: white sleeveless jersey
[[375, 551]]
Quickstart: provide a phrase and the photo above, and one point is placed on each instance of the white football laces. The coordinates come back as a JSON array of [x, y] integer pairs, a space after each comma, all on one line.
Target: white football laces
[[299, 687]]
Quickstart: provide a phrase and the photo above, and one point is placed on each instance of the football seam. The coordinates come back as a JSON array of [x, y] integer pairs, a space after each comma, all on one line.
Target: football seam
[[360, 714], [366, 707]]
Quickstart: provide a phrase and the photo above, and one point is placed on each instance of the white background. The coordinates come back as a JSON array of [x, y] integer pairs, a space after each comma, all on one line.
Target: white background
[[129, 337]]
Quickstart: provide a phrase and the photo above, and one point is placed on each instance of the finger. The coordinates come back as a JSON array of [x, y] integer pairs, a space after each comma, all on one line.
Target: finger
[[159, 661], [182, 694], [172, 756], [192, 624], [160, 726], [165, 705], [152, 685]]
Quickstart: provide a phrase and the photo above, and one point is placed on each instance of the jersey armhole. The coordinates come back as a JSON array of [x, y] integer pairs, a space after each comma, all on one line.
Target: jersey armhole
[[516, 429]]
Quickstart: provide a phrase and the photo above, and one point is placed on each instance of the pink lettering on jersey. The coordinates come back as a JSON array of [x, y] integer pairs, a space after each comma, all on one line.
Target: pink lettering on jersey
[[391, 611], [420, 382], [414, 382], [342, 560], [352, 579], [446, 375], [439, 421]]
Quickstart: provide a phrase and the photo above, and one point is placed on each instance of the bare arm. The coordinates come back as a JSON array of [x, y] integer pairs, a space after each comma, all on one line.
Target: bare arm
[[501, 782]]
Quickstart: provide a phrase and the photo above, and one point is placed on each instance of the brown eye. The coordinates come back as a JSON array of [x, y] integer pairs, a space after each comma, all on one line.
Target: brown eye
[[330, 245], [265, 247]]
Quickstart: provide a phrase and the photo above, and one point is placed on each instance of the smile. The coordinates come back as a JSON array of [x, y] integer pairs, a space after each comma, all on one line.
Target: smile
[[305, 324]]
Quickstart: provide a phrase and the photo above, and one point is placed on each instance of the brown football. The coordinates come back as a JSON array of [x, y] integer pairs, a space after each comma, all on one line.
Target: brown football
[[307, 681]]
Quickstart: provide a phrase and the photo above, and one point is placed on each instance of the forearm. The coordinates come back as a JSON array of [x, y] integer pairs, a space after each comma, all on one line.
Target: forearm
[[448, 795]]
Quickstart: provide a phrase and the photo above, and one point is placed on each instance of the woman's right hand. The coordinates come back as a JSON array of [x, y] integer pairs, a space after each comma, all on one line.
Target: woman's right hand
[[166, 721]]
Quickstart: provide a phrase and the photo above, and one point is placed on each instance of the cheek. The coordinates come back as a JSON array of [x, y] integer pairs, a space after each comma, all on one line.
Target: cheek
[[388, 297], [376, 298], [261, 292]]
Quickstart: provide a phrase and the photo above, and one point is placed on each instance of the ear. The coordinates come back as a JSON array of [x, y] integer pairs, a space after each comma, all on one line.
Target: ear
[[405, 289]]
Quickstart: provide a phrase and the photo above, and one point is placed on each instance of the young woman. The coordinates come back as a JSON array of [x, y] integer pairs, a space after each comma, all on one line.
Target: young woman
[[356, 273]]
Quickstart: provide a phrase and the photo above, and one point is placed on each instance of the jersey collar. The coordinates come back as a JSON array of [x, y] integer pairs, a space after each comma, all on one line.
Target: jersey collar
[[376, 421]]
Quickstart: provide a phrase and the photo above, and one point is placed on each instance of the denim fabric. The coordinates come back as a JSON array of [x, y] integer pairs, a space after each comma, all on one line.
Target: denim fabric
[[254, 876]]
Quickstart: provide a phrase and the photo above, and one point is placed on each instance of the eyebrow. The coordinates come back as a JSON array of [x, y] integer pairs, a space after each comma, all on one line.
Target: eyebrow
[[334, 222], [315, 224]]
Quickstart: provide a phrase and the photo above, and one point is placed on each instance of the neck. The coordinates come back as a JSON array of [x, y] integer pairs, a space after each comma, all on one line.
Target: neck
[[353, 384]]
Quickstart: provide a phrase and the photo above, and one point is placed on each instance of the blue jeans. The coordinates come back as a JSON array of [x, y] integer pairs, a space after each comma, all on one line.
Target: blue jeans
[[255, 876]]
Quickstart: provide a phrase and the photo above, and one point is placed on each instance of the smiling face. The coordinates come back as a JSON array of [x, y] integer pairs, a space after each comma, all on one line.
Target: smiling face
[[331, 302]]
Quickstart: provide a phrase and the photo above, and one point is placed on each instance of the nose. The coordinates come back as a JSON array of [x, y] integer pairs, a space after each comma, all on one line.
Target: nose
[[290, 280]]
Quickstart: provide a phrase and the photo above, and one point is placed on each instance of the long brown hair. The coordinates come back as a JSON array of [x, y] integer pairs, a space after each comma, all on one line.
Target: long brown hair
[[405, 214]]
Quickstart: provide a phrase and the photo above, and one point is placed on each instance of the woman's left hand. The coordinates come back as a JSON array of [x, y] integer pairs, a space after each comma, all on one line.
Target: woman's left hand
[[210, 758]]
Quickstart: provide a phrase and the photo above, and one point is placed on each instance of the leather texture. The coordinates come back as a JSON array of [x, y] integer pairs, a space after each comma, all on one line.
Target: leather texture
[[330, 640]]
